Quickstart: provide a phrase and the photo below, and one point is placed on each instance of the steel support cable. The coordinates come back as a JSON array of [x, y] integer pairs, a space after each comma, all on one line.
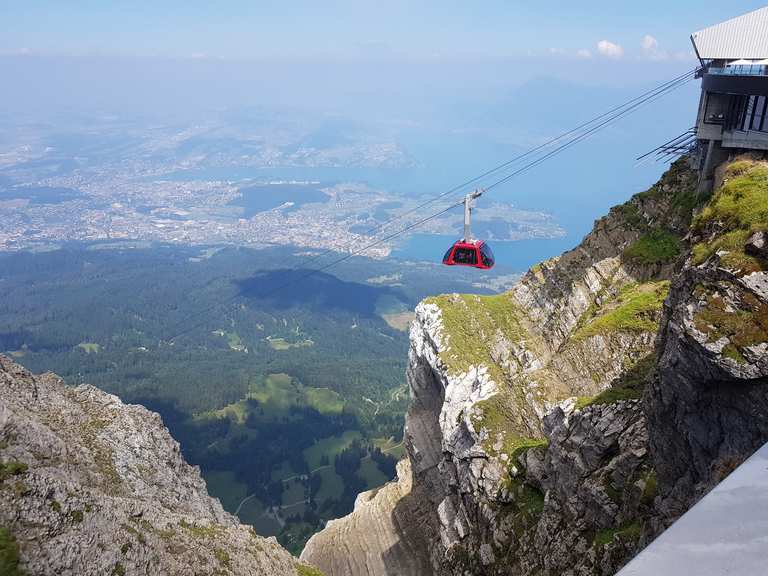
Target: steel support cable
[[619, 112], [376, 229], [585, 135], [321, 269], [683, 136], [623, 110]]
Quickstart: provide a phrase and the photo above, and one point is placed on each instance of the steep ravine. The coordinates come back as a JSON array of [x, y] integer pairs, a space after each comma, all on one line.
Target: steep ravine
[[91, 486], [557, 428]]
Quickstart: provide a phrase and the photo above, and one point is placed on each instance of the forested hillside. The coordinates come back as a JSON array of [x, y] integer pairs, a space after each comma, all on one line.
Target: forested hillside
[[290, 403]]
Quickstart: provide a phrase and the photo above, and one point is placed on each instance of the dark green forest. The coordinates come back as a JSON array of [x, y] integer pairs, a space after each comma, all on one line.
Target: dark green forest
[[287, 388]]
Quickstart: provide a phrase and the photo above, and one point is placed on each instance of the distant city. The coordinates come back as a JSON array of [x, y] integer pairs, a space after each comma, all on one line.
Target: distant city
[[217, 185]]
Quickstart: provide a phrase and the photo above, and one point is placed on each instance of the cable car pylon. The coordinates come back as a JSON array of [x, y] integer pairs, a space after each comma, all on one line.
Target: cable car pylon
[[468, 251]]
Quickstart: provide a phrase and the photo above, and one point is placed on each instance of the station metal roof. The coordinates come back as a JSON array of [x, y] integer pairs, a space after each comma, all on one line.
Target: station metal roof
[[745, 36], [724, 534]]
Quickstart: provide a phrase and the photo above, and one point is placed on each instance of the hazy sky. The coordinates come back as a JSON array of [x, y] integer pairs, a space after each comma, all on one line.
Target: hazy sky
[[361, 29], [440, 76]]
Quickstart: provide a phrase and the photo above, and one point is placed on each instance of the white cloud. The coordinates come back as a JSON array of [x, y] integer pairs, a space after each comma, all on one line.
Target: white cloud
[[609, 49], [584, 54], [649, 43], [15, 52], [684, 56], [651, 50]]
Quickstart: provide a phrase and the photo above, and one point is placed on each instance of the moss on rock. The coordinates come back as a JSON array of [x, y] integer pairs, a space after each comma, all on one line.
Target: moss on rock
[[656, 247], [470, 324], [743, 322], [9, 554], [306, 570], [737, 209], [11, 468], [627, 532], [634, 309]]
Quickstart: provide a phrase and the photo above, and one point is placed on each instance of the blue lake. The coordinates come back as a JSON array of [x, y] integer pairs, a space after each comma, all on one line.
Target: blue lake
[[40, 194], [260, 198], [393, 179], [518, 255]]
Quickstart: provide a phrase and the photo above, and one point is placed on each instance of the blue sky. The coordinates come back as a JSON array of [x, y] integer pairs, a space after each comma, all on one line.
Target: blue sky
[[441, 77], [360, 29]]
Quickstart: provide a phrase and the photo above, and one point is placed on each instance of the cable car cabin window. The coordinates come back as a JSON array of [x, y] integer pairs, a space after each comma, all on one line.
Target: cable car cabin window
[[487, 255], [447, 256], [465, 256]]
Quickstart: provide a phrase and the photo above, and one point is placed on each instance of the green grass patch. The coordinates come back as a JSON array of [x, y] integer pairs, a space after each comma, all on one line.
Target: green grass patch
[[627, 532], [253, 513], [650, 489], [89, 347], [233, 340], [469, 325], [390, 446], [744, 326], [282, 472], [222, 557], [305, 570], [329, 447], [630, 213], [201, 531], [655, 247], [731, 244], [9, 554], [608, 396], [282, 344], [529, 500], [225, 486], [293, 491], [331, 487], [275, 395], [324, 400], [237, 411], [370, 472], [630, 385], [742, 201], [635, 309], [277, 390], [517, 447], [12, 468], [740, 207]]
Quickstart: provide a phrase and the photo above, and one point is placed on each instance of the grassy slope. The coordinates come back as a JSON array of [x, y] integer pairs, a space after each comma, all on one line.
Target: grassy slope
[[634, 309], [472, 323], [738, 208]]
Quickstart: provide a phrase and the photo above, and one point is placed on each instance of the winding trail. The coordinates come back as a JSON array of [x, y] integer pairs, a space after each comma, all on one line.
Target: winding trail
[[283, 507], [250, 496]]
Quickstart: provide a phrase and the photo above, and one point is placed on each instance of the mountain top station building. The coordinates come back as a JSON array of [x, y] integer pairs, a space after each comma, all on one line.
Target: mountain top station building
[[733, 110]]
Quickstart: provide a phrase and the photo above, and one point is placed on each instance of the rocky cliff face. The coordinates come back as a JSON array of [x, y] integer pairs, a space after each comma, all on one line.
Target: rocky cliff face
[[708, 404], [383, 535], [89, 485], [537, 444]]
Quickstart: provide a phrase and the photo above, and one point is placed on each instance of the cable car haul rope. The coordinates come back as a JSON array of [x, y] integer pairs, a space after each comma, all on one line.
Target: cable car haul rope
[[471, 253]]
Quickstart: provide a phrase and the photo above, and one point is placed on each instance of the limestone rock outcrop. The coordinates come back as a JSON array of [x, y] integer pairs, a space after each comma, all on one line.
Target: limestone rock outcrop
[[383, 535], [556, 429], [91, 486], [708, 405]]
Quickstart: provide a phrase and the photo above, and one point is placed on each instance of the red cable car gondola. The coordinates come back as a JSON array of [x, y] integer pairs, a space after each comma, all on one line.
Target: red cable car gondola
[[469, 252]]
